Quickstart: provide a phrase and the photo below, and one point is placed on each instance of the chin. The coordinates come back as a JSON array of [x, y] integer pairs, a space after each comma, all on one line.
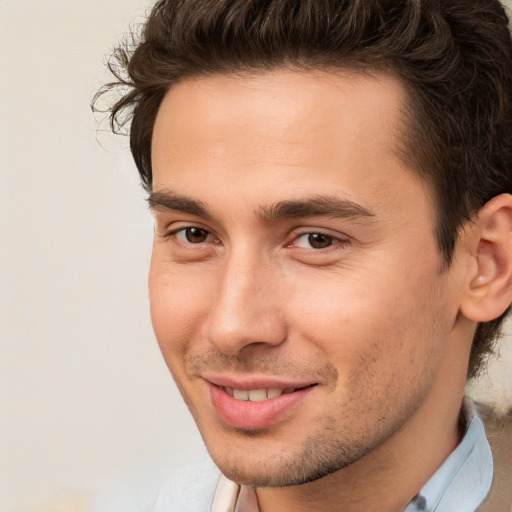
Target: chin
[[317, 458]]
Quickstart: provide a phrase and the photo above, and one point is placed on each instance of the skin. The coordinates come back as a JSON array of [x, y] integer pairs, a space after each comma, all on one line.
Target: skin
[[370, 318]]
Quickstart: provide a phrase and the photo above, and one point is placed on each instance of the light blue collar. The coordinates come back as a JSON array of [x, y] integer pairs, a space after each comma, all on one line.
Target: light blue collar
[[464, 480]]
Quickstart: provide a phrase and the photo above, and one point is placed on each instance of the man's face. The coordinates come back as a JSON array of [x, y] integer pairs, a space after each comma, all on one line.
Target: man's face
[[295, 265]]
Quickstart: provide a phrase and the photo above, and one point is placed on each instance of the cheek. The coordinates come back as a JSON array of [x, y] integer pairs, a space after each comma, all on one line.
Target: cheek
[[380, 345], [375, 321], [178, 301]]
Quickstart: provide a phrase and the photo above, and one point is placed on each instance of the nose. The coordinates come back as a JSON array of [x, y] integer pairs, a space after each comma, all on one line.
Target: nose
[[247, 310]]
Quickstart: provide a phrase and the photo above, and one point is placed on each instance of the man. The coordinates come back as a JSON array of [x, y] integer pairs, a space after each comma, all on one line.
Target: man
[[330, 182]]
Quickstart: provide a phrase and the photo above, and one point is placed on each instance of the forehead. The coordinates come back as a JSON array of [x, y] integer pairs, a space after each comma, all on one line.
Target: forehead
[[280, 131], [301, 108]]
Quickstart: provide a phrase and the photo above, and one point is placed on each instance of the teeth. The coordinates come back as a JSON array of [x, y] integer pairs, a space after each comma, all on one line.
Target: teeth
[[256, 395], [272, 393], [240, 394]]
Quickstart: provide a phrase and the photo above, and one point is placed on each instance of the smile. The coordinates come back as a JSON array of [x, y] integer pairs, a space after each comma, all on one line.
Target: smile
[[256, 395], [256, 407]]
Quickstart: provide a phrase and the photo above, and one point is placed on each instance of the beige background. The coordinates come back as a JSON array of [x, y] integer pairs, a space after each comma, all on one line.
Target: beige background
[[89, 417], [88, 412]]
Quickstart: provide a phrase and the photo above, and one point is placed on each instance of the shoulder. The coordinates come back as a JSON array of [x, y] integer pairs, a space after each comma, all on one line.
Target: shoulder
[[492, 391], [189, 488], [498, 427]]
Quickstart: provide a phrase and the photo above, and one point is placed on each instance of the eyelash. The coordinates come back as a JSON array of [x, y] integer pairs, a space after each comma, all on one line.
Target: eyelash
[[175, 234], [331, 238]]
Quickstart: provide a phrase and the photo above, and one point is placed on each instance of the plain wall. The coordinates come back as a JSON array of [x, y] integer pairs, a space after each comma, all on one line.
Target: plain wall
[[89, 413]]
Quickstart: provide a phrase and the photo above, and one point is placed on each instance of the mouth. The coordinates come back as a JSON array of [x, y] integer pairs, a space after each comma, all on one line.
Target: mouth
[[260, 395], [250, 407]]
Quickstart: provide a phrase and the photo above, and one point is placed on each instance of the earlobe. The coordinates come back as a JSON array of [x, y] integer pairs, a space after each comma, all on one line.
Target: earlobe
[[490, 285]]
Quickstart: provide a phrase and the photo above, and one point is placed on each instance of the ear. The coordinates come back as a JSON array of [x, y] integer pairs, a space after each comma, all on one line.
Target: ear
[[489, 292]]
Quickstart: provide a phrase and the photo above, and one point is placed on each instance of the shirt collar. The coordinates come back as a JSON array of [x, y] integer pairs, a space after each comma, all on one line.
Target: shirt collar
[[464, 480], [461, 483]]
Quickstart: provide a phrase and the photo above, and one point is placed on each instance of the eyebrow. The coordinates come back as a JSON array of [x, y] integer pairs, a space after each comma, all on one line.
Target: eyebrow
[[317, 206], [167, 200]]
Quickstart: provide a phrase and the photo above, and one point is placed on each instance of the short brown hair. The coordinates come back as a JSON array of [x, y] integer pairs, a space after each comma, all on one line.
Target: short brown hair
[[453, 56]]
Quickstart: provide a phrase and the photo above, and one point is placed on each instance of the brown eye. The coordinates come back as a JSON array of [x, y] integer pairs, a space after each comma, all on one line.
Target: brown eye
[[196, 235], [315, 241], [320, 240], [192, 235]]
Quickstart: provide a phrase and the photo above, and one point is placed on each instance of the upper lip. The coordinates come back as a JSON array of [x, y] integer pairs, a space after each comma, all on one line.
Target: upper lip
[[256, 382]]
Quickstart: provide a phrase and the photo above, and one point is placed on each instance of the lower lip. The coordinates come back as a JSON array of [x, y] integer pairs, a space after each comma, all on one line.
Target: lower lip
[[248, 415]]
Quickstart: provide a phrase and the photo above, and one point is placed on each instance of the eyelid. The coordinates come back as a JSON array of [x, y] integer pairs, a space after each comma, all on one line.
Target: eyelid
[[170, 225], [338, 238], [335, 241], [175, 232]]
